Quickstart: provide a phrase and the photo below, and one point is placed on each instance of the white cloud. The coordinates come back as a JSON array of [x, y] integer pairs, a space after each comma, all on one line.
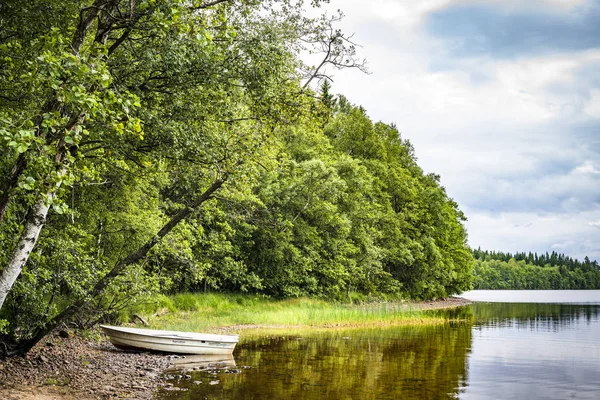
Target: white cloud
[[409, 13], [503, 134], [558, 5], [592, 105], [511, 232], [404, 13], [587, 168], [562, 246]]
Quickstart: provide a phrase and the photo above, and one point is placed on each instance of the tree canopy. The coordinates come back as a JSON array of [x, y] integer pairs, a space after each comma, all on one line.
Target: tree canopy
[[167, 145], [499, 270]]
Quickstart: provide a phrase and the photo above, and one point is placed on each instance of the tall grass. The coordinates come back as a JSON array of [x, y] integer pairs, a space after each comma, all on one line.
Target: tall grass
[[214, 312]]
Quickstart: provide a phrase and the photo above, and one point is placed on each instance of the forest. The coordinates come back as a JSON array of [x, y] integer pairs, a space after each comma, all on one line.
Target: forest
[[498, 270], [165, 146]]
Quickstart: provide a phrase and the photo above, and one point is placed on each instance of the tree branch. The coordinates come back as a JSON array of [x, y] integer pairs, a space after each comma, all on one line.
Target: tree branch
[[119, 268], [210, 4]]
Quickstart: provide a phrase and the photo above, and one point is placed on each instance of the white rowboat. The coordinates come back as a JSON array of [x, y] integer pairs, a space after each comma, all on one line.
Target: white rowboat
[[169, 341]]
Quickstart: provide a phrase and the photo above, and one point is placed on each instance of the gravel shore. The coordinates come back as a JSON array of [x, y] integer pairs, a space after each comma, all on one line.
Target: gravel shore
[[75, 368], [78, 368]]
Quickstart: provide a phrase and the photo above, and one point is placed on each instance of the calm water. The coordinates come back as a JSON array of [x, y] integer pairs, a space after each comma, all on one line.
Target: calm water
[[534, 296], [505, 351]]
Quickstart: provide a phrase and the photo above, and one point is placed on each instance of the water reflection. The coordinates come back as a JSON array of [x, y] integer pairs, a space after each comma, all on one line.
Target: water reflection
[[407, 363], [202, 362], [500, 351], [535, 296], [534, 351], [545, 317]]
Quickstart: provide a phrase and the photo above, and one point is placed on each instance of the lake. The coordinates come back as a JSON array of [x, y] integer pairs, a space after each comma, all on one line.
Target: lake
[[512, 345]]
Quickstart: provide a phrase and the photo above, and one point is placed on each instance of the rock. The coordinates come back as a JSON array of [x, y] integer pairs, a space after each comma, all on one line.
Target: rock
[[89, 370], [176, 389], [214, 382], [64, 334]]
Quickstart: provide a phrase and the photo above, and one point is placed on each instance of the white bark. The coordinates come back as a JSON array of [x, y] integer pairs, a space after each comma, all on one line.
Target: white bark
[[33, 225]]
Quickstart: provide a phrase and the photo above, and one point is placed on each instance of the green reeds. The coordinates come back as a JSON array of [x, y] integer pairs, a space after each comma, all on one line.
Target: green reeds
[[215, 312]]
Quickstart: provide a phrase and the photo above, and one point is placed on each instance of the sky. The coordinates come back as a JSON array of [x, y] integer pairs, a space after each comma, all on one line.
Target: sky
[[499, 97]]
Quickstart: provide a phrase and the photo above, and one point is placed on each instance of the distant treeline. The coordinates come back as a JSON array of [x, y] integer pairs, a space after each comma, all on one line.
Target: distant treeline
[[498, 270]]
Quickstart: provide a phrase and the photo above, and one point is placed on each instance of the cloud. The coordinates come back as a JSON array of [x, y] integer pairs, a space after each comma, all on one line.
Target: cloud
[[587, 168], [595, 224], [561, 246], [478, 28], [408, 14], [529, 5], [508, 231], [515, 137]]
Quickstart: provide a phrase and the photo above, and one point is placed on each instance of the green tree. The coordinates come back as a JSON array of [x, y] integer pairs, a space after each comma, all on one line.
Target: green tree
[[185, 94]]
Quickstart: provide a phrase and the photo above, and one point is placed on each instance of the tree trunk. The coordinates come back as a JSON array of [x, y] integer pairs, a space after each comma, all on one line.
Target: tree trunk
[[33, 225], [36, 217], [21, 348]]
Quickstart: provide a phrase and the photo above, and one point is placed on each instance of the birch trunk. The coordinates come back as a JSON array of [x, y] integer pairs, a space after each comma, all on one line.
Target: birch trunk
[[21, 348], [33, 225], [35, 220]]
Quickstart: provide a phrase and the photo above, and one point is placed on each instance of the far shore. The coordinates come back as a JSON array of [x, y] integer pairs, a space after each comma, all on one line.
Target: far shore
[[76, 368]]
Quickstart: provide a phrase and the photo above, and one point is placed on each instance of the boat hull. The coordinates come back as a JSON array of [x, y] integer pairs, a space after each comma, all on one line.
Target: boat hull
[[170, 342]]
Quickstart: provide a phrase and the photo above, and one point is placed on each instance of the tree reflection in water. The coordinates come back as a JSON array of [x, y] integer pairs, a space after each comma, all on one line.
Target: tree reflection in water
[[390, 363], [499, 350]]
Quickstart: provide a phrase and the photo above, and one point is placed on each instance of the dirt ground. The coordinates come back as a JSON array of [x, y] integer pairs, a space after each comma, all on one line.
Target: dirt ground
[[75, 368]]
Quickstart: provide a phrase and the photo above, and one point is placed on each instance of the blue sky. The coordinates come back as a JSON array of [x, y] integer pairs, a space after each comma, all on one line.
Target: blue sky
[[499, 97]]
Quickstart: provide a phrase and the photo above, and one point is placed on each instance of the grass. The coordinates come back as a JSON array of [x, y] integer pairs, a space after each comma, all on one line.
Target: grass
[[213, 312]]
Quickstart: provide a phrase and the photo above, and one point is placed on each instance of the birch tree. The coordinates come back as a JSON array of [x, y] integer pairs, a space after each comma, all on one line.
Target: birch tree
[[189, 85]]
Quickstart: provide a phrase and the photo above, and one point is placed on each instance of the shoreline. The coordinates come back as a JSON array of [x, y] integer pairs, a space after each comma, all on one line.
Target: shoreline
[[74, 368], [77, 368]]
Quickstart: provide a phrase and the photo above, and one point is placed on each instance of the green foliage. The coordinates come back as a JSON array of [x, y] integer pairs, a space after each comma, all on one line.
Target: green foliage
[[555, 272], [4, 325], [124, 123], [347, 210]]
